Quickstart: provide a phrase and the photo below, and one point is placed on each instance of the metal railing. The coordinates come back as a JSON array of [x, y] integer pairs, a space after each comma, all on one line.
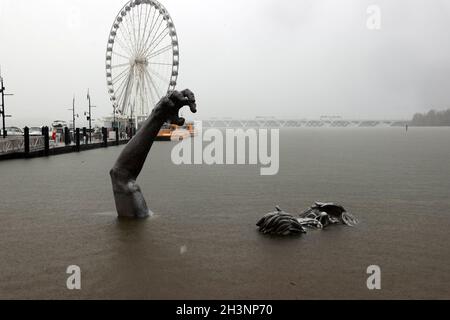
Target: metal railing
[[78, 140], [275, 123]]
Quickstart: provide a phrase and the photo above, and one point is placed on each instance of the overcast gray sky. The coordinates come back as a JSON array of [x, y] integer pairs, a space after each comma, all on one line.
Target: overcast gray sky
[[283, 58]]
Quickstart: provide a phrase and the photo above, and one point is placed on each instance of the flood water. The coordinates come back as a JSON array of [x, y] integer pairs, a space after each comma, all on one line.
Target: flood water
[[203, 242]]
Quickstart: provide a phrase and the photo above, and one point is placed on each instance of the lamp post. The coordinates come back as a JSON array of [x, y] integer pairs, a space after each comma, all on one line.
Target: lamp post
[[132, 124], [73, 114], [90, 116], [2, 110], [114, 114]]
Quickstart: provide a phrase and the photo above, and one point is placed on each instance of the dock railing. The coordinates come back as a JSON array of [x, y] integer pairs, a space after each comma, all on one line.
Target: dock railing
[[48, 143]]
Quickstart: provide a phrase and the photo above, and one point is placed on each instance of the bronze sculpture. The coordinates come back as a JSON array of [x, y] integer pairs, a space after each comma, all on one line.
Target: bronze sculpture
[[130, 202], [319, 216]]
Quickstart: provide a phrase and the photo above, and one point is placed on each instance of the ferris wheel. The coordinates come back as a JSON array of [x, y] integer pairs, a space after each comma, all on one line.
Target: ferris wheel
[[142, 58]]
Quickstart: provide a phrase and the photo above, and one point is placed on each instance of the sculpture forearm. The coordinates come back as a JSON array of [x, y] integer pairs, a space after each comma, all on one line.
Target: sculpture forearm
[[128, 196], [132, 159]]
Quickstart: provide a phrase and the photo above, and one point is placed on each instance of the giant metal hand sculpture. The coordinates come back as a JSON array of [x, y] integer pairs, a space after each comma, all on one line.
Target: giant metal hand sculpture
[[130, 202]]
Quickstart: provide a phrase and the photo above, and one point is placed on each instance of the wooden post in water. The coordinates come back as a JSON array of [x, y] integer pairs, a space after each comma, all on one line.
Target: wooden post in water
[[26, 140], [105, 136], [66, 136], [45, 132], [77, 139]]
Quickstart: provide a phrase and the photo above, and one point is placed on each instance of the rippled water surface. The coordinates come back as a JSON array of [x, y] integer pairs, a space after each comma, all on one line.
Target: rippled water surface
[[202, 243]]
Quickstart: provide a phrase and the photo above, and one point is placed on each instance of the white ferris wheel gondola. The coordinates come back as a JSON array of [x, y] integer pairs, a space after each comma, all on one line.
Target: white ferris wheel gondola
[[142, 58]]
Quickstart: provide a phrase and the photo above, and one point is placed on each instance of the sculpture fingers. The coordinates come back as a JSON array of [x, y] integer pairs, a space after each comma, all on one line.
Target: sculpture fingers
[[191, 99], [184, 98], [349, 219], [280, 223], [310, 223], [178, 121]]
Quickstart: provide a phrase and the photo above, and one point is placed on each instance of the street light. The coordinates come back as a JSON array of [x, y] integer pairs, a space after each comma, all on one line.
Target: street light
[[90, 116], [114, 115], [2, 110], [73, 114]]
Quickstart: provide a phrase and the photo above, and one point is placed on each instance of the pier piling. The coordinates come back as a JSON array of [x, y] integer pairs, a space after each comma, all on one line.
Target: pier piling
[[45, 132], [67, 136], [26, 140], [77, 139], [105, 136]]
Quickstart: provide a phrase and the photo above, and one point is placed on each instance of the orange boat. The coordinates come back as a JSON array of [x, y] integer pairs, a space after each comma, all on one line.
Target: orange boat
[[171, 132]]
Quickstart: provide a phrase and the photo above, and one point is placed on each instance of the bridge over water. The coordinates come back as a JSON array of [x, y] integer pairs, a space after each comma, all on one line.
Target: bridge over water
[[276, 123]]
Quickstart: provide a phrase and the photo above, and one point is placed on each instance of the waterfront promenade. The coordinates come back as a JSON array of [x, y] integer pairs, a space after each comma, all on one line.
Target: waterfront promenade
[[46, 144]]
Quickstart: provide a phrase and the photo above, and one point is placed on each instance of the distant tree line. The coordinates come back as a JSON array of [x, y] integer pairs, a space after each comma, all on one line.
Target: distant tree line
[[432, 119]]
